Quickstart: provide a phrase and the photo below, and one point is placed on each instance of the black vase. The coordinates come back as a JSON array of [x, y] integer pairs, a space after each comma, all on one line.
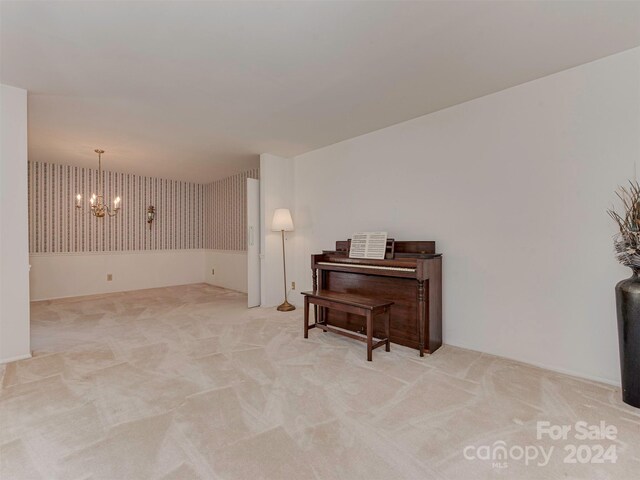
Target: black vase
[[628, 303]]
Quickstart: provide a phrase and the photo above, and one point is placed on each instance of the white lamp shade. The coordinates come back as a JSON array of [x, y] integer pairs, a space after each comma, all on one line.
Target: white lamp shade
[[282, 220]]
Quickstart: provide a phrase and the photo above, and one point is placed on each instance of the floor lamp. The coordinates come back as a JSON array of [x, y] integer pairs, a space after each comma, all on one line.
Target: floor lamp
[[282, 222]]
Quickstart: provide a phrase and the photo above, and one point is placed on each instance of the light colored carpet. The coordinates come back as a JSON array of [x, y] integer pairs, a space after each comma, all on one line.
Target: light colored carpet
[[185, 382]]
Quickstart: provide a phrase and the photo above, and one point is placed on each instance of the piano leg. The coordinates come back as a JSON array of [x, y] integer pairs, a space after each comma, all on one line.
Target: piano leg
[[421, 316], [369, 335], [306, 317], [387, 329], [314, 276]]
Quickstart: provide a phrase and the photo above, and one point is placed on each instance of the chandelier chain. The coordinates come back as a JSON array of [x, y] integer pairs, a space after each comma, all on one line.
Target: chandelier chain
[[98, 207]]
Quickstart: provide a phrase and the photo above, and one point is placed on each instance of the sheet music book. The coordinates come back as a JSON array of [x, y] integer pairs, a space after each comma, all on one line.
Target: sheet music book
[[368, 245]]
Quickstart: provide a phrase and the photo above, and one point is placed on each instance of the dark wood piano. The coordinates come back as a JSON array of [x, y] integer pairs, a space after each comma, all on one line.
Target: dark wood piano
[[410, 276]]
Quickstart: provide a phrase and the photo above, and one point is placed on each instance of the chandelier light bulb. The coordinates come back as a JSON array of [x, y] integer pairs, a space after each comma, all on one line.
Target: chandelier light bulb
[[100, 208]]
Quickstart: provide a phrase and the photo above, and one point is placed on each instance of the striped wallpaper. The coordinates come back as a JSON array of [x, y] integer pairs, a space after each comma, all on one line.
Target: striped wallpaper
[[226, 212], [183, 209]]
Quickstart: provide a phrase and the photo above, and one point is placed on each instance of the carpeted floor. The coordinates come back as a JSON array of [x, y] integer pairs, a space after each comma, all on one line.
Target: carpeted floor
[[185, 382]]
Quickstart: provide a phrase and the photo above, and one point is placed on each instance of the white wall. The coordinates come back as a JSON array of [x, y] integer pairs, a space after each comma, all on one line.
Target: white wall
[[62, 275], [230, 269], [513, 187], [14, 247], [276, 191], [73, 274]]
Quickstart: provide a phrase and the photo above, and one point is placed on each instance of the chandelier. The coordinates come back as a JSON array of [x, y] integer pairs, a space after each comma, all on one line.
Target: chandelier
[[98, 207]]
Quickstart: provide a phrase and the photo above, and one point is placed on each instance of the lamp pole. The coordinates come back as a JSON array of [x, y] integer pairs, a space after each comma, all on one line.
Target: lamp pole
[[286, 306]]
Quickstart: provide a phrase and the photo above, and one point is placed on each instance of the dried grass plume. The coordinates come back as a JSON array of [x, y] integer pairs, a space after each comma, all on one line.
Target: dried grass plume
[[627, 242]]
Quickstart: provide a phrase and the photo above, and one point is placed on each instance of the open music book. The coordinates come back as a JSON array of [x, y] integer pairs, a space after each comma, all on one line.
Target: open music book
[[368, 245]]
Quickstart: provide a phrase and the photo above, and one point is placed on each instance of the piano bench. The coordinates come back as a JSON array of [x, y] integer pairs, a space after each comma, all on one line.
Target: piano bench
[[358, 305]]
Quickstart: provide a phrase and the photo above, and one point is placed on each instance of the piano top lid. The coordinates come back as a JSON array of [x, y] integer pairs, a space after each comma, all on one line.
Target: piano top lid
[[424, 249], [398, 256], [417, 255], [421, 247]]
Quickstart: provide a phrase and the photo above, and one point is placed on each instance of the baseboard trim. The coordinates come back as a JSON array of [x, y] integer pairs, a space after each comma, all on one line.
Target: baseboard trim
[[88, 296], [551, 368], [226, 288], [15, 359]]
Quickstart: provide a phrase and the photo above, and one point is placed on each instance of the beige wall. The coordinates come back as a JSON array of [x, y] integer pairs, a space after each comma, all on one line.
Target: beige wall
[[197, 228], [229, 267], [276, 181], [513, 187], [74, 274], [14, 253], [70, 275]]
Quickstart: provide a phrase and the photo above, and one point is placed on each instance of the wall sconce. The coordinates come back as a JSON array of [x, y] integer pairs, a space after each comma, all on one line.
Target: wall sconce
[[151, 215]]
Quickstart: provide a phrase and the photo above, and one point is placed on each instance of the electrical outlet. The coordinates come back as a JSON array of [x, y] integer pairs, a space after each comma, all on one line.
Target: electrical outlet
[[213, 271], [293, 285], [109, 277]]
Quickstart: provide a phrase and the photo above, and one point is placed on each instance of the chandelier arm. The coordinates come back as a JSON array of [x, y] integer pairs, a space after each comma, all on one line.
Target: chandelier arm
[[100, 174], [98, 206]]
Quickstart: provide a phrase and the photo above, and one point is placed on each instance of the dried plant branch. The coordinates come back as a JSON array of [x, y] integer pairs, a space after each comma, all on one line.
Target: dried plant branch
[[627, 242]]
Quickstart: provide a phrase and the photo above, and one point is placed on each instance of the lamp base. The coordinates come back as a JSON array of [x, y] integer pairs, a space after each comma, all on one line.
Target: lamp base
[[286, 307]]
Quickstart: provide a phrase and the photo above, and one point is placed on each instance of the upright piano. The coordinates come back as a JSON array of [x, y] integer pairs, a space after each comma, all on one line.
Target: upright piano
[[410, 276]]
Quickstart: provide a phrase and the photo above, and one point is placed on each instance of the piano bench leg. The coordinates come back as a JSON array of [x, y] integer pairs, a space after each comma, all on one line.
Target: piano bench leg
[[320, 313], [369, 336], [387, 330], [306, 317]]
